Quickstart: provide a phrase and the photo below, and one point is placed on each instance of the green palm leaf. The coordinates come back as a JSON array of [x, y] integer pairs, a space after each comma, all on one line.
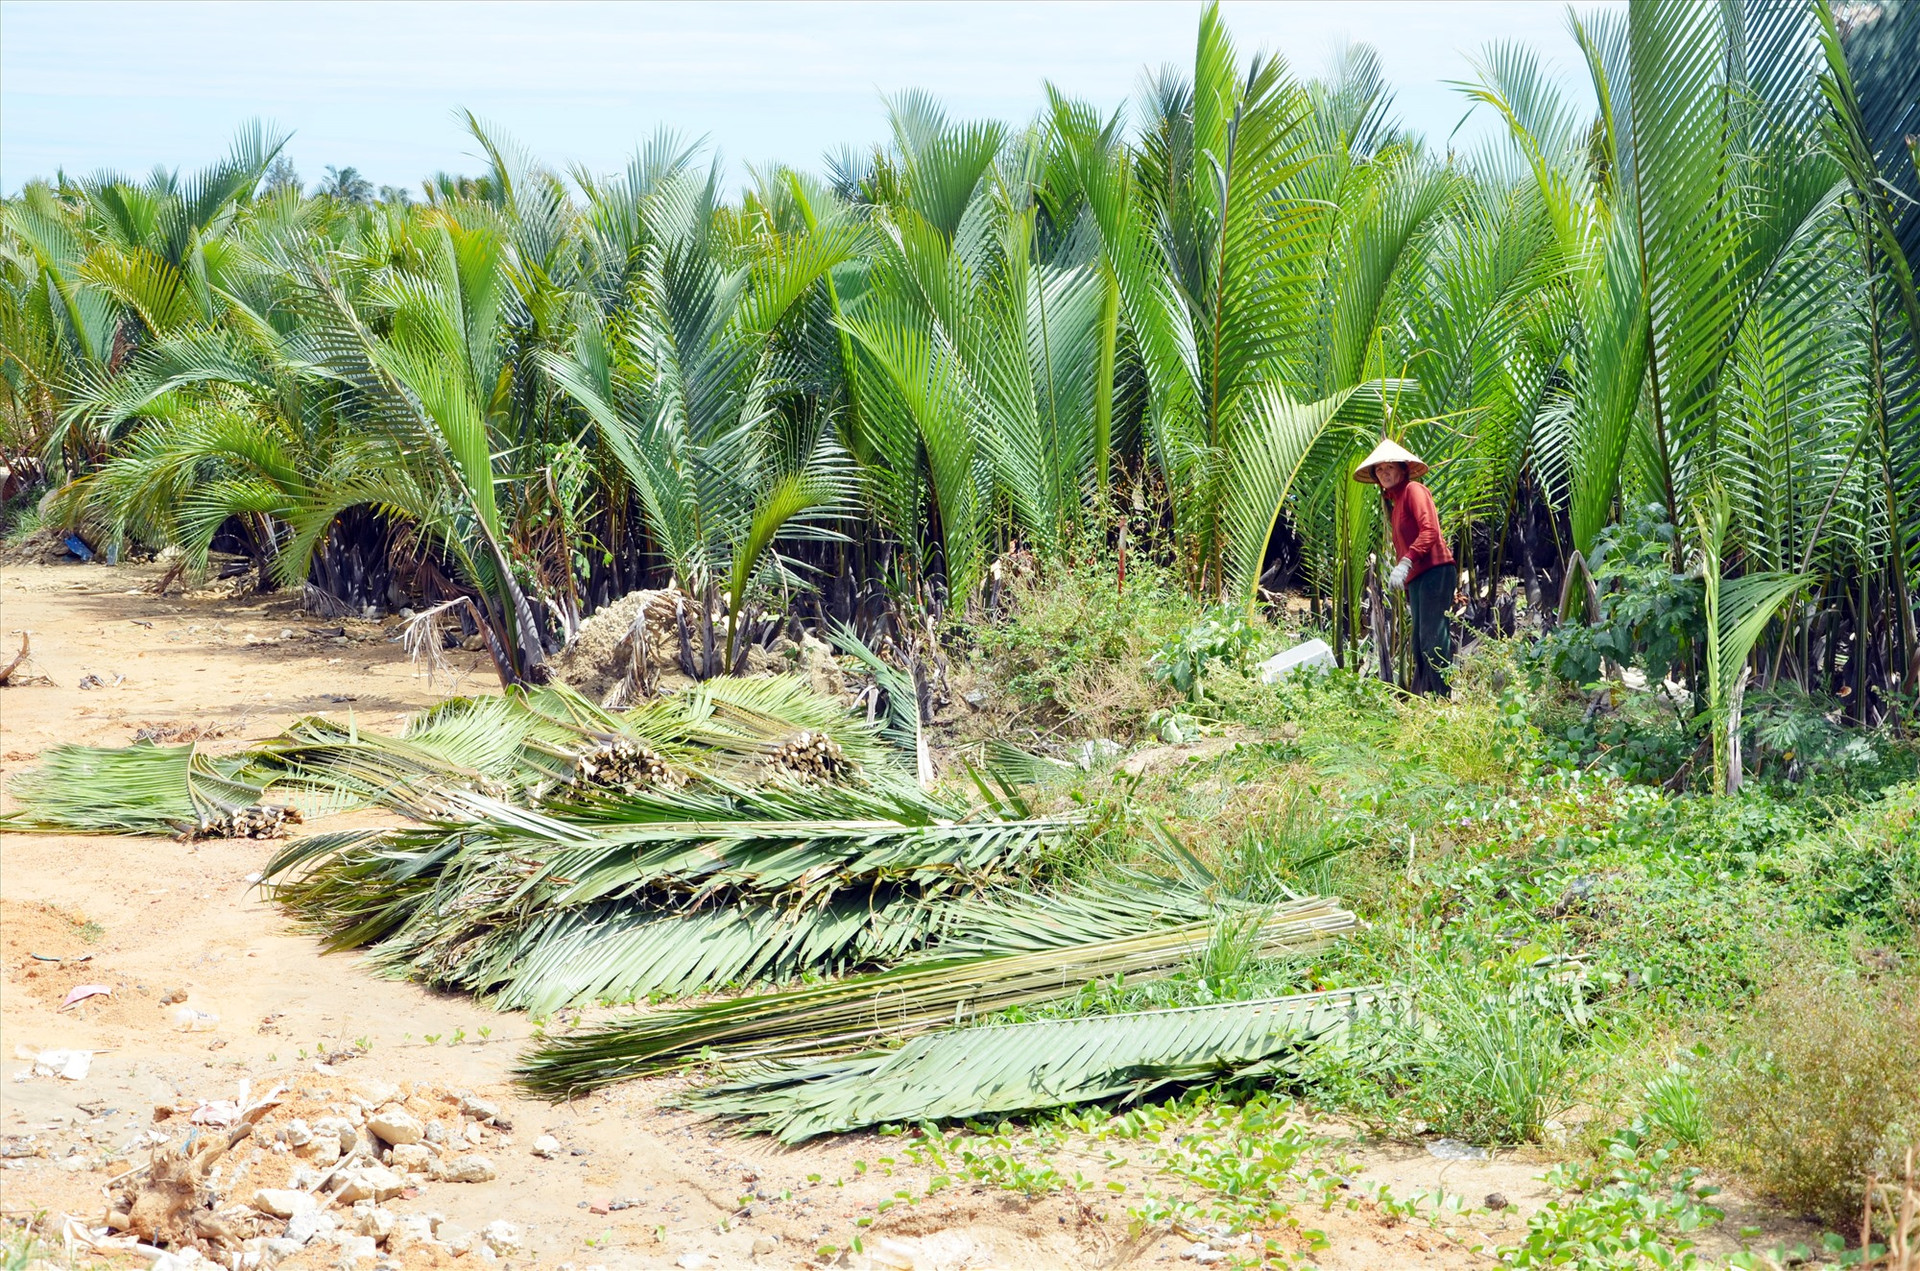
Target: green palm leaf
[[1004, 1069]]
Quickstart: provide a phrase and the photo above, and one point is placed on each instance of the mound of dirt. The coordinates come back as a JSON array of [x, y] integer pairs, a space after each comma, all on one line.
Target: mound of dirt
[[600, 660], [601, 663]]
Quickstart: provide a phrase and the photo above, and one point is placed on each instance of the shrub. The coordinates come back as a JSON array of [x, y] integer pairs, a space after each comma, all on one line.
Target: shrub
[[1820, 1090], [1863, 870], [1071, 653]]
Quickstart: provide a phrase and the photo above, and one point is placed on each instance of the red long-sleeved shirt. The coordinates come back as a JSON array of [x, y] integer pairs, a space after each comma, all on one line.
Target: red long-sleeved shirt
[[1416, 529]]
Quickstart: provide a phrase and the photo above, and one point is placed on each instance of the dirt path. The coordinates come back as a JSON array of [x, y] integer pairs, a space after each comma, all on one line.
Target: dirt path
[[212, 988]]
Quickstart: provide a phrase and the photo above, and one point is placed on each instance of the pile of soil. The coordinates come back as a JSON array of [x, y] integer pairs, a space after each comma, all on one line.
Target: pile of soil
[[599, 661], [600, 664]]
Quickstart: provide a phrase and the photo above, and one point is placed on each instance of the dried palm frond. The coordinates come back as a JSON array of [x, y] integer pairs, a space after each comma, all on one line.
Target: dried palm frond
[[144, 789], [527, 744], [1067, 939], [1012, 1068]]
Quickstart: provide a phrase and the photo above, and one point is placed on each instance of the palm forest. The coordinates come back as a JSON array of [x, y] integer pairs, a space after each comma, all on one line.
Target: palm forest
[[881, 563]]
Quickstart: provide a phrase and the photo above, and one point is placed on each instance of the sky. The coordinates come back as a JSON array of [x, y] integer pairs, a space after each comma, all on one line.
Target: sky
[[85, 86]]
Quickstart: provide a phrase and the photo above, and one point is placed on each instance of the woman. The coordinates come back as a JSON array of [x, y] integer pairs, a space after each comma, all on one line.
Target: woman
[[1425, 568]]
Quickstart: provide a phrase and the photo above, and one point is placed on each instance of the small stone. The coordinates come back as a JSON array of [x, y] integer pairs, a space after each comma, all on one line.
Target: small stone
[[456, 1238], [414, 1158], [282, 1202], [410, 1230], [468, 1169], [341, 1129], [371, 1220], [298, 1133], [501, 1237], [546, 1147], [1496, 1201], [765, 1244], [436, 1133], [369, 1182], [480, 1109], [690, 1261], [358, 1248], [396, 1125], [376, 1092], [309, 1224], [280, 1247]]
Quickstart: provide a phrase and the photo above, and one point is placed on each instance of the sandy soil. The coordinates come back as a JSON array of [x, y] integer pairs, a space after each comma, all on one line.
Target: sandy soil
[[173, 927]]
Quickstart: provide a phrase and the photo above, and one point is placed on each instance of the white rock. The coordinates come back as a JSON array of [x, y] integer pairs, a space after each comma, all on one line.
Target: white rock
[[467, 1169], [415, 1158], [408, 1231], [474, 1133], [396, 1125], [359, 1248], [546, 1147], [371, 1220], [313, 1222], [280, 1247], [765, 1244], [456, 1238], [501, 1237], [342, 1130], [283, 1202], [691, 1261], [376, 1092], [368, 1182], [480, 1109], [298, 1133]]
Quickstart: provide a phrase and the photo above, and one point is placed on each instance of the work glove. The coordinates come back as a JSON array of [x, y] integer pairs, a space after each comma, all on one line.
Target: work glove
[[1398, 578]]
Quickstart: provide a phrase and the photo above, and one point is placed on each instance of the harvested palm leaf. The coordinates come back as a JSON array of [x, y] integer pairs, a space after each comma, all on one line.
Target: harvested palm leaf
[[144, 789], [814, 876], [939, 988], [527, 745], [1002, 1069]]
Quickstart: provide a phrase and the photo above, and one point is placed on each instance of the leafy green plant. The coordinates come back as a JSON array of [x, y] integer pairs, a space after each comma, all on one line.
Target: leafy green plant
[[1630, 1210], [1675, 1108], [1223, 638]]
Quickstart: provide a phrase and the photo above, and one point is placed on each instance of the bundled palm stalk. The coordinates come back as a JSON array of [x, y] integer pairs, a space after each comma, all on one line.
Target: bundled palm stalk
[[529, 745], [810, 757], [1151, 928], [621, 765], [145, 789], [1003, 1069]]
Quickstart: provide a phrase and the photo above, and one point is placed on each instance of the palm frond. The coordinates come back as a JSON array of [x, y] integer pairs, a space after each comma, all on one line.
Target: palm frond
[[140, 789], [1000, 1070], [1005, 951]]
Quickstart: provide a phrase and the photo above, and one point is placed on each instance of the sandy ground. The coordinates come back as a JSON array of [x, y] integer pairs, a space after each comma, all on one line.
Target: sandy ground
[[172, 927]]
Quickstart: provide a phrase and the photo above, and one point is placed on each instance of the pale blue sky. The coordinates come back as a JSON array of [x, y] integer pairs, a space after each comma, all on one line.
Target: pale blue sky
[[85, 86]]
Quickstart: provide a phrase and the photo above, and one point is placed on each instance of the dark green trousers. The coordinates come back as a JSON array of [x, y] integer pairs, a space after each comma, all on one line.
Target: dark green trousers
[[1429, 597]]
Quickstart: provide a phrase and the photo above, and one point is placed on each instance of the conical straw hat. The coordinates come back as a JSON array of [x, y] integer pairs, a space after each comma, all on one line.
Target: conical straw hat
[[1389, 451]]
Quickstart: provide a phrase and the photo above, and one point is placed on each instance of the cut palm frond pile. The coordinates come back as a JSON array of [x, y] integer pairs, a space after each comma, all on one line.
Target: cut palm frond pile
[[144, 789], [623, 895], [1014, 950], [1012, 1068]]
